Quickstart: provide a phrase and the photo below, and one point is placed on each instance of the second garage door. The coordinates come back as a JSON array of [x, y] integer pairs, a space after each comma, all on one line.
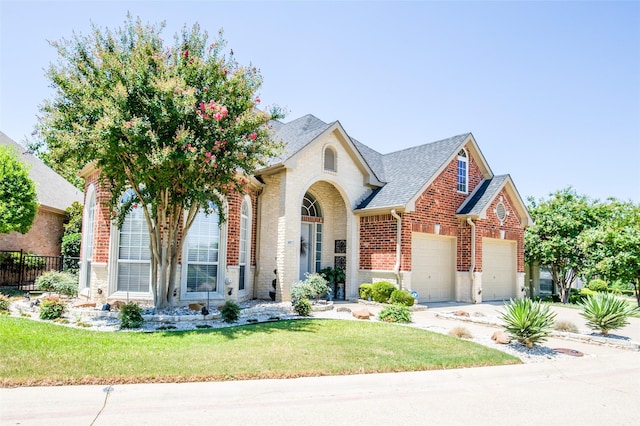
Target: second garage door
[[498, 269], [433, 267]]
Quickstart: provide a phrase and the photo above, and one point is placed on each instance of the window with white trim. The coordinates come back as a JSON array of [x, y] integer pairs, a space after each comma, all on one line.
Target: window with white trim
[[202, 255], [330, 160], [87, 238], [134, 266], [245, 232], [463, 172]]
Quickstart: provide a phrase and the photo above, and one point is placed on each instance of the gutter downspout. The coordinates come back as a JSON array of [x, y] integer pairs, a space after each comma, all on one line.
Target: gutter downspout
[[473, 258], [396, 267]]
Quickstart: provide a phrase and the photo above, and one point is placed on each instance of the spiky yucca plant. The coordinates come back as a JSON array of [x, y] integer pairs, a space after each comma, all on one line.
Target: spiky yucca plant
[[605, 312], [527, 321]]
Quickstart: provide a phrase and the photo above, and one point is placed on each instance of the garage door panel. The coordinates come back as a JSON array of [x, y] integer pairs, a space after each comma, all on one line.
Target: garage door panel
[[433, 267], [498, 269]]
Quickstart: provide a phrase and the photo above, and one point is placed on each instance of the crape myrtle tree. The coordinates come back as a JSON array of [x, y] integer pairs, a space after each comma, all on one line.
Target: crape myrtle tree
[[173, 129], [552, 240], [18, 197], [612, 249]]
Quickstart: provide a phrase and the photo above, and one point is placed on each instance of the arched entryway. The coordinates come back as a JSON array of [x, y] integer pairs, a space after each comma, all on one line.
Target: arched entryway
[[324, 239]]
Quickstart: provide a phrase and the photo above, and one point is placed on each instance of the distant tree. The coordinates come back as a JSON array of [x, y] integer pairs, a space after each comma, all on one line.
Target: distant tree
[[552, 241], [175, 128], [65, 167], [612, 250], [72, 237], [18, 197]]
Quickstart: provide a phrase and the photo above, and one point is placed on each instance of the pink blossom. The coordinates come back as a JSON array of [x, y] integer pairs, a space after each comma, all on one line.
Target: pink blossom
[[253, 136], [127, 124], [257, 100], [186, 53]]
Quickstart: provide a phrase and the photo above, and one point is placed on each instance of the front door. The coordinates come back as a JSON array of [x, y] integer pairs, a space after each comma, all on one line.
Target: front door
[[306, 249]]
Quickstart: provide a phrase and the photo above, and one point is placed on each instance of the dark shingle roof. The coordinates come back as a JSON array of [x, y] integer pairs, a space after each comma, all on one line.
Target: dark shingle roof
[[481, 197], [53, 190], [406, 172], [296, 134]]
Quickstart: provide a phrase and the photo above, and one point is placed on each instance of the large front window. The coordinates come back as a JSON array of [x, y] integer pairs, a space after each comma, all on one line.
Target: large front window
[[203, 254], [463, 171], [245, 228], [134, 271]]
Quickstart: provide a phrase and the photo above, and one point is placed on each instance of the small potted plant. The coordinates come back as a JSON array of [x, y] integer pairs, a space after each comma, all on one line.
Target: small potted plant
[[335, 277]]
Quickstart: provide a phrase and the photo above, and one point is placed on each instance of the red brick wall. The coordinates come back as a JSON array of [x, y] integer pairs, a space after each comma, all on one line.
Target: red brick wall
[[490, 228], [438, 205], [102, 218], [43, 238], [378, 242]]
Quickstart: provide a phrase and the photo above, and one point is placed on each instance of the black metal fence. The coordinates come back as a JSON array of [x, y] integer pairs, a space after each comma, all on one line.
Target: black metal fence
[[20, 269]]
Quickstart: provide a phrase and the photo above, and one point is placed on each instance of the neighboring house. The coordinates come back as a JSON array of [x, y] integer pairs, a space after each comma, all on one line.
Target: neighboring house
[[433, 219], [55, 194]]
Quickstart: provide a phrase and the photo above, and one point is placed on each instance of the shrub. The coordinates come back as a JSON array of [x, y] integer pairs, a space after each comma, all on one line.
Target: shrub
[[460, 332], [230, 311], [52, 309], [403, 297], [381, 291], [605, 312], [130, 316], [395, 313], [598, 285], [567, 326], [4, 303], [527, 321], [365, 291], [302, 307], [301, 290], [63, 283], [576, 296]]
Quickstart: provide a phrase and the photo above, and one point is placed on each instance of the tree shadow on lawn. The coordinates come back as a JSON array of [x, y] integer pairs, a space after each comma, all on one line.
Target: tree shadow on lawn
[[269, 327]]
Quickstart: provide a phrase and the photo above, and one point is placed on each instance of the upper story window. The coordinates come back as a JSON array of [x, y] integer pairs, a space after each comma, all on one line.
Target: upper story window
[[330, 160], [463, 171]]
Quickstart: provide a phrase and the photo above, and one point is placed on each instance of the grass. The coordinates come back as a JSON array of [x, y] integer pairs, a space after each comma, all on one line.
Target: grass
[[39, 353]]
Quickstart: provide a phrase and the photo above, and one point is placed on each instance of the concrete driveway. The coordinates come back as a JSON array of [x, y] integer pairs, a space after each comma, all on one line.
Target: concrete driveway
[[600, 388]]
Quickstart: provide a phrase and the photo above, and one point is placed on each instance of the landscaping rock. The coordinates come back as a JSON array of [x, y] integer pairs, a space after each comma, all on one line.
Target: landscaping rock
[[196, 306], [84, 304], [501, 337], [361, 314], [461, 313], [343, 309], [117, 304]]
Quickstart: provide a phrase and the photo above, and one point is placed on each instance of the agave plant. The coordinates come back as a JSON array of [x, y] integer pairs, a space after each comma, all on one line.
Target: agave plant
[[605, 312], [527, 321]]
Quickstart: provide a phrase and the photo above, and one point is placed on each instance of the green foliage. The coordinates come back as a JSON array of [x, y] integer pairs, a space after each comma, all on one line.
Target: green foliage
[[73, 220], [302, 307], [63, 283], [173, 123], [577, 295], [314, 286], [553, 238], [402, 297], [381, 291], [365, 291], [230, 311], [527, 321], [130, 315], [333, 275], [18, 198], [52, 309], [4, 302], [606, 311], [598, 285], [395, 313]]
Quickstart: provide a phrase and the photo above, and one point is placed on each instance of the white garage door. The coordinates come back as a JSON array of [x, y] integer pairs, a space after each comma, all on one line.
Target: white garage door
[[433, 267], [498, 269]]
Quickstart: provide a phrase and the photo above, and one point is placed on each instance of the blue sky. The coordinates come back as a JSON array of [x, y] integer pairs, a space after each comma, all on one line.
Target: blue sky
[[550, 90]]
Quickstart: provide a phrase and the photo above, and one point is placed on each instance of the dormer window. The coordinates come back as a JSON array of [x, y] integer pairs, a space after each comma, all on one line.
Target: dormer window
[[330, 160], [463, 172]]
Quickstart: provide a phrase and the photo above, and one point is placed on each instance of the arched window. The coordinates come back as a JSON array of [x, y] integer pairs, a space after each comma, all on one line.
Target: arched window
[[87, 238], [134, 266], [310, 236], [245, 246], [202, 254], [463, 172], [330, 160]]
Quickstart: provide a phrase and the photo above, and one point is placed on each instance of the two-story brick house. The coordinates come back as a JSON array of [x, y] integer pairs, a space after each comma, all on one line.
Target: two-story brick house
[[433, 219]]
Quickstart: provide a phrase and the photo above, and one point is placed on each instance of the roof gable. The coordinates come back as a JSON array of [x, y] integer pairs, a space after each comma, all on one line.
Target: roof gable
[[54, 191]]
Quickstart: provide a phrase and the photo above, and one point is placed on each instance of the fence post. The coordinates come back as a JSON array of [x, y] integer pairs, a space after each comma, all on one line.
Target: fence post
[[20, 268]]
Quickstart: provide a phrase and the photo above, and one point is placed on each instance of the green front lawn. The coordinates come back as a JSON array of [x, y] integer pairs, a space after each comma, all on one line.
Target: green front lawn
[[37, 353]]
